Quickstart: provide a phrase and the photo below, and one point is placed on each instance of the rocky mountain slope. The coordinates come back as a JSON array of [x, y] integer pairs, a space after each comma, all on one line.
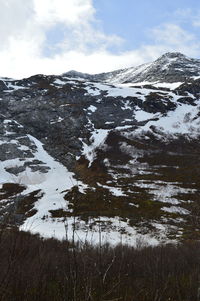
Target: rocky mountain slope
[[114, 155], [170, 67]]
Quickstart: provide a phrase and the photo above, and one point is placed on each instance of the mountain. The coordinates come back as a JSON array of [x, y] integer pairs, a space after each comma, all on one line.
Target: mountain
[[81, 157], [170, 68]]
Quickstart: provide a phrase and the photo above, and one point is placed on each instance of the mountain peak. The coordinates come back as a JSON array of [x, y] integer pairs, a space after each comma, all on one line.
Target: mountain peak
[[74, 73], [172, 55], [170, 67]]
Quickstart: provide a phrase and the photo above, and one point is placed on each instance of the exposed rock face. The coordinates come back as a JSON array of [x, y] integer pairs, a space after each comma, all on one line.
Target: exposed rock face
[[132, 150]]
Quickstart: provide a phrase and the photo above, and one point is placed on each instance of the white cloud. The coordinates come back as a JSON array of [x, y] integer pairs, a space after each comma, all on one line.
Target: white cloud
[[172, 34], [188, 16], [174, 38], [14, 16], [196, 23], [83, 46], [69, 12], [24, 36]]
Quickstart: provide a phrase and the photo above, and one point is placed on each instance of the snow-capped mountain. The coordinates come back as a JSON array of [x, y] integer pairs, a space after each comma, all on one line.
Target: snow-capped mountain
[[115, 153], [170, 68]]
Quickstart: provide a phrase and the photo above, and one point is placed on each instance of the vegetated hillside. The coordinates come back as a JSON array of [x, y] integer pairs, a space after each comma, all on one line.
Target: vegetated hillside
[[80, 156], [37, 269]]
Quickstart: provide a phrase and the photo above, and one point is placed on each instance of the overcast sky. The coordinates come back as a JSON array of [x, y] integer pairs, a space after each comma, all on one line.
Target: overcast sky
[[55, 36]]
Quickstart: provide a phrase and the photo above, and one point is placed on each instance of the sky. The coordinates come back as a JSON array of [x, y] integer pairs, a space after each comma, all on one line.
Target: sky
[[55, 36]]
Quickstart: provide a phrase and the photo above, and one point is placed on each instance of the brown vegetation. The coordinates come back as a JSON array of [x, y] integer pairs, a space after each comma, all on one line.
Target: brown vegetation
[[36, 269]]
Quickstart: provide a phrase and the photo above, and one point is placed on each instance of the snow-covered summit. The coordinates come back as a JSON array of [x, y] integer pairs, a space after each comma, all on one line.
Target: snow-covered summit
[[170, 67]]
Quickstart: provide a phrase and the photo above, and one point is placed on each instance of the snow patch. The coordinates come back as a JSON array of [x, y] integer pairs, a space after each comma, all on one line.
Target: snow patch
[[97, 139], [116, 191], [92, 108], [184, 119], [141, 115], [59, 82]]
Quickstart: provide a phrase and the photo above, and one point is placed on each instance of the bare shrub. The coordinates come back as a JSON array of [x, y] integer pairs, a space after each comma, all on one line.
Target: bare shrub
[[33, 269]]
